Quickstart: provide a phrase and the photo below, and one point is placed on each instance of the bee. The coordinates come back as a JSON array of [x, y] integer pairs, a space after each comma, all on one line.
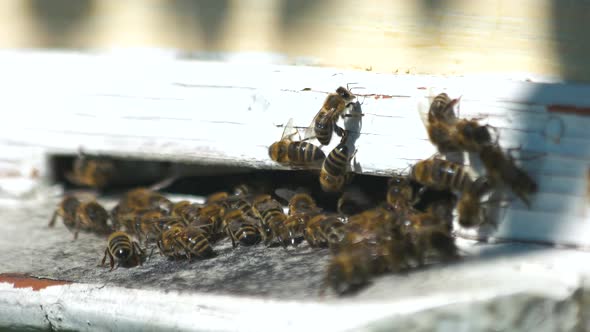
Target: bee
[[451, 134], [209, 219], [137, 200], [334, 172], [270, 213], [122, 251], [427, 234], [501, 169], [441, 174], [180, 242], [91, 172], [442, 109], [324, 122], [302, 203], [401, 195], [195, 243], [295, 153], [469, 206], [242, 229], [150, 223], [355, 265], [180, 208], [324, 230], [87, 216]]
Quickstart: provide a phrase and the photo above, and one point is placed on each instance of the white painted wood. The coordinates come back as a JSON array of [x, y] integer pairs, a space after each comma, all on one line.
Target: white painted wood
[[208, 112]]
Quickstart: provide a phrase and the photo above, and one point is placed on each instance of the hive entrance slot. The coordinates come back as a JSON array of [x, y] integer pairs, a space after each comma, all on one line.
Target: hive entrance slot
[[202, 180]]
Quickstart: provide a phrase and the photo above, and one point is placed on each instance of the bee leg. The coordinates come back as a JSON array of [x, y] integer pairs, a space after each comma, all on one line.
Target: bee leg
[[111, 261], [231, 235], [53, 219], [104, 258], [140, 252]]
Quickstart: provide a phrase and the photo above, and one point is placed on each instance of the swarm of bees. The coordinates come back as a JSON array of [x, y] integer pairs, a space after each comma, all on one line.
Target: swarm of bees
[[412, 225]]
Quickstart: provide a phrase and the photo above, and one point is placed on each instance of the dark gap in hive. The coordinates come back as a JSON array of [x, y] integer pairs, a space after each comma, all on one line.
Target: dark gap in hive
[[202, 180]]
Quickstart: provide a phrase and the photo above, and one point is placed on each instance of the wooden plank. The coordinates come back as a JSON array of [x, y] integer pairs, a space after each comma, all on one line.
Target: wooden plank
[[217, 113]]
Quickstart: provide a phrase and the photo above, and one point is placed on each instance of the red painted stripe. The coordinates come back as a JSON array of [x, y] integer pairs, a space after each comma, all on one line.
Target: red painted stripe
[[20, 280], [569, 109]]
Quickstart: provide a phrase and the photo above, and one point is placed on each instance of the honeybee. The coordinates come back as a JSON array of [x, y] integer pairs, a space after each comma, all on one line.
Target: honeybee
[[91, 172], [324, 122], [451, 134], [302, 203], [209, 219], [301, 207], [469, 206], [137, 200], [441, 174], [180, 242], [270, 213], [87, 216], [427, 234], [401, 195], [150, 223], [242, 229], [353, 267], [335, 169], [501, 169], [442, 109], [324, 230], [295, 153], [122, 251]]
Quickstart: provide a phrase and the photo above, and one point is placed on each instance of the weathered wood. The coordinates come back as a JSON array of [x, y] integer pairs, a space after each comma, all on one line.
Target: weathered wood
[[219, 113]]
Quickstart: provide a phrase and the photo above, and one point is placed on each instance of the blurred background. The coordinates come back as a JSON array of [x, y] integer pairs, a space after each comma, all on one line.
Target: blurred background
[[542, 37]]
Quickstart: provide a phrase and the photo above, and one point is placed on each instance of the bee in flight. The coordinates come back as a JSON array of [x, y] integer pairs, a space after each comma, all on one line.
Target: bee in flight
[[79, 215], [501, 169], [295, 153], [324, 122], [122, 251]]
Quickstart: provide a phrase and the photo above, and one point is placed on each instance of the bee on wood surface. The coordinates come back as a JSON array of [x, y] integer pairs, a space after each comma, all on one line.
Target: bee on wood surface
[[242, 229], [302, 207], [77, 216], [209, 219], [150, 223], [335, 172], [91, 172], [354, 266], [295, 153], [184, 242], [136, 200], [324, 122], [502, 170], [122, 251], [427, 234], [324, 230], [270, 212]]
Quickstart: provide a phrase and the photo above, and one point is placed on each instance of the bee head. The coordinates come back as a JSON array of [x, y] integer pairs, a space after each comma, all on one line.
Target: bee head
[[277, 151], [122, 253]]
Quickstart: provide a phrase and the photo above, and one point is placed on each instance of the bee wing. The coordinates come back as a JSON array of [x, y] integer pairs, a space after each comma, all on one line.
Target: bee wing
[[423, 108], [309, 131], [289, 130]]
